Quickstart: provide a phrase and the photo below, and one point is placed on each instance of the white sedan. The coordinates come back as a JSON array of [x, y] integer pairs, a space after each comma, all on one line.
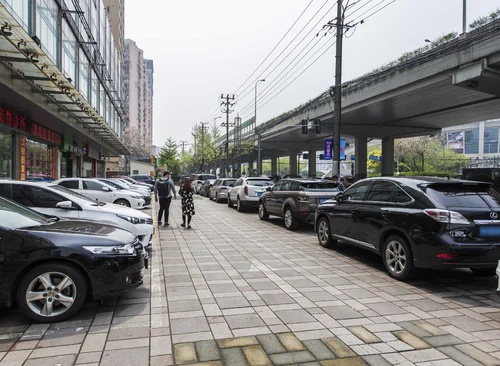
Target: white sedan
[[54, 200], [247, 191], [101, 192]]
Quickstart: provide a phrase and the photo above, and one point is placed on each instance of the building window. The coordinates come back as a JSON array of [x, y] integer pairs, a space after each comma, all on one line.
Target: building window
[[83, 86], [39, 161], [69, 52], [47, 27], [20, 10], [5, 155], [95, 91], [491, 140], [472, 141]]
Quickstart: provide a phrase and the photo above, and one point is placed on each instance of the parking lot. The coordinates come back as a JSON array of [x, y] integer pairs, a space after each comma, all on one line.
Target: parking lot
[[238, 291]]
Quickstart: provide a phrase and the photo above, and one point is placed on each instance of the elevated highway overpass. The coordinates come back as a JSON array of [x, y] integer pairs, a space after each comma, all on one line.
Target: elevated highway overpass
[[452, 84]]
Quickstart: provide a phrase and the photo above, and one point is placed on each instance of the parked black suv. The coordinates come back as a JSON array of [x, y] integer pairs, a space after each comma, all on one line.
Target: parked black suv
[[296, 200], [417, 222], [144, 178]]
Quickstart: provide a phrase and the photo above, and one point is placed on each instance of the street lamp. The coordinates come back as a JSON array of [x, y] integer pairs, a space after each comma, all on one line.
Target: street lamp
[[259, 163]]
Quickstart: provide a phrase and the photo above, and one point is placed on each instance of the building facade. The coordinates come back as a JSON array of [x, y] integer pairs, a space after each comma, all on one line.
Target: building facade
[[138, 90], [60, 106], [474, 140]]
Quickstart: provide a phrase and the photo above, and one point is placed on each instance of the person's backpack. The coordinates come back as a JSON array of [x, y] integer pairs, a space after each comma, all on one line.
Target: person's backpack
[[163, 188]]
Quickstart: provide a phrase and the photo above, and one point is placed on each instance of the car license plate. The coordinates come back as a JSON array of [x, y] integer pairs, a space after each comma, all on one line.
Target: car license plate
[[489, 231], [259, 194], [321, 200]]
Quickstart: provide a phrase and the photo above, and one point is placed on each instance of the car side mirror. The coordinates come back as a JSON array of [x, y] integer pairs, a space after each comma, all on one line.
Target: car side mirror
[[65, 205], [269, 189], [339, 198], [106, 189]]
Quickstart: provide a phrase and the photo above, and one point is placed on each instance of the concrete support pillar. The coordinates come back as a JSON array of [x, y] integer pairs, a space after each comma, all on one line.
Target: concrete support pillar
[[361, 155], [274, 165], [292, 169], [250, 166], [312, 163], [387, 156]]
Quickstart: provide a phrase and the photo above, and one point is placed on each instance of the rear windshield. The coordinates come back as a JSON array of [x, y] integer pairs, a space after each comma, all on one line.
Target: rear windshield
[[260, 182], [228, 182], [206, 177], [464, 195], [320, 187]]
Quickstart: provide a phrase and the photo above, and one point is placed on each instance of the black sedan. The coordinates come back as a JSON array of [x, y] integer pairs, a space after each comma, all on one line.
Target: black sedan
[[419, 222], [48, 265]]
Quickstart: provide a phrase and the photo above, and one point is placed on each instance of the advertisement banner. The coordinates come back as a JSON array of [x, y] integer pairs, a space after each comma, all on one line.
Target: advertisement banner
[[342, 149], [328, 149], [456, 141]]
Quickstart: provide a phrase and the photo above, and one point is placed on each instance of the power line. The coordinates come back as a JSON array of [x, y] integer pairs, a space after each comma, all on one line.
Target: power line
[[289, 43], [275, 47], [274, 96]]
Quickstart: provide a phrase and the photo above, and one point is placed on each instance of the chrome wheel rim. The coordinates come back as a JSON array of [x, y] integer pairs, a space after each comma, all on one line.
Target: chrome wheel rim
[[395, 257], [323, 232], [261, 210], [51, 294], [288, 218]]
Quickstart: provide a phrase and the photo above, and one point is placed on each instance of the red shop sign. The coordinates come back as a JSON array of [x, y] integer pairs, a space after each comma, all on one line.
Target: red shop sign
[[14, 120]]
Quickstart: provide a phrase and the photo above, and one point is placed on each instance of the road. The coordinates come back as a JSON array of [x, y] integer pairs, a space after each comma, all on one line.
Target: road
[[235, 290]]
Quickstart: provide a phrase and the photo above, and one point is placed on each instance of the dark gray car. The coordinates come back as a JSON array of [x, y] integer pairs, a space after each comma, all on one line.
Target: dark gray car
[[296, 200]]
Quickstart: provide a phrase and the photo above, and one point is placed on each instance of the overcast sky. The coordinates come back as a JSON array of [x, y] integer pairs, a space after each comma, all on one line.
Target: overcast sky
[[203, 48]]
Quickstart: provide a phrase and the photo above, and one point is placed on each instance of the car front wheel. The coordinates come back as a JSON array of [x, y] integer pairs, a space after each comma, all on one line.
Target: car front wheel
[[324, 233], [263, 214], [291, 223], [229, 203], [485, 272], [398, 258], [122, 202], [52, 292]]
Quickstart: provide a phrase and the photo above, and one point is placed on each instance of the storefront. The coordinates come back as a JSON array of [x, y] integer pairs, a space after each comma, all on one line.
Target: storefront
[[28, 150]]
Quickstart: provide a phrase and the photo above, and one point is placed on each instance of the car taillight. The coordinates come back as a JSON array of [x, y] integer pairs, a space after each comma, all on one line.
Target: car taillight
[[446, 216], [246, 190], [223, 188], [445, 256]]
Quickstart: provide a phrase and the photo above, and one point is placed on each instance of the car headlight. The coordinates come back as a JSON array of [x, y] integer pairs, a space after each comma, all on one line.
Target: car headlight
[[111, 250], [136, 220], [136, 197]]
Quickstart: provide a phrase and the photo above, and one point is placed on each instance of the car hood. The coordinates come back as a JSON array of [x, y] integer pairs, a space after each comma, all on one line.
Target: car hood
[[122, 210], [80, 231]]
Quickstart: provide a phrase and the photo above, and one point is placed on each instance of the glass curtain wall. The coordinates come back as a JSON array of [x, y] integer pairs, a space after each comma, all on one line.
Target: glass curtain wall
[[47, 27], [69, 53], [21, 11]]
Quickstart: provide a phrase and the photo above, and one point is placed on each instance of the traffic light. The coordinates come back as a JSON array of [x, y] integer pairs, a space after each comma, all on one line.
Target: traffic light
[[304, 127], [317, 125]]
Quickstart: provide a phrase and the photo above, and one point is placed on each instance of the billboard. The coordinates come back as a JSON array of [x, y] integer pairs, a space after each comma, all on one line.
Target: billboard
[[455, 141], [329, 149]]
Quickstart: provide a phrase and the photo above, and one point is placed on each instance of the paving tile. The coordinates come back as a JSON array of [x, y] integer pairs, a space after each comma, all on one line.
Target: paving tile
[[160, 346], [68, 360], [15, 358], [183, 306], [55, 351], [342, 312], [466, 323], [411, 339], [131, 356], [442, 340], [271, 344], [295, 316], [233, 356], [244, 321], [290, 342], [90, 357], [338, 347], [128, 333], [237, 342], [127, 343], [189, 325], [365, 335], [376, 360], [351, 361], [423, 355], [256, 356], [319, 349], [184, 353], [478, 355], [291, 358], [232, 302], [207, 351]]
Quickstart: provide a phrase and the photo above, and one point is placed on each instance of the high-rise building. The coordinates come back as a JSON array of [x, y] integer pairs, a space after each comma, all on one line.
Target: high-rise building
[[138, 89], [116, 16], [60, 73]]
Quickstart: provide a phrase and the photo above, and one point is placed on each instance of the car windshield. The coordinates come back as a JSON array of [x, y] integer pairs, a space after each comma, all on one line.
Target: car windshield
[[14, 216], [73, 194], [464, 195], [229, 182], [260, 182], [320, 187], [114, 184]]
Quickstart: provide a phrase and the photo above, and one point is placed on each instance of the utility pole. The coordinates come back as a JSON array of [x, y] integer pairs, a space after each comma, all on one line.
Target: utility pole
[[337, 112], [259, 161], [183, 143], [202, 146], [464, 17], [227, 101]]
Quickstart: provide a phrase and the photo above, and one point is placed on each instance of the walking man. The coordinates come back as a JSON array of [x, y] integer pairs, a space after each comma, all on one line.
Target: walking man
[[335, 178], [163, 190]]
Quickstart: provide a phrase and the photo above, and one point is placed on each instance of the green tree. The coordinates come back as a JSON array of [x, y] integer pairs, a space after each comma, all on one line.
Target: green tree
[[169, 156]]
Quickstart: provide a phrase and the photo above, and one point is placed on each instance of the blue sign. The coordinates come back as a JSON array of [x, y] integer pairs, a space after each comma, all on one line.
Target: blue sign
[[373, 157], [328, 149], [321, 156], [342, 149], [353, 157], [305, 156]]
